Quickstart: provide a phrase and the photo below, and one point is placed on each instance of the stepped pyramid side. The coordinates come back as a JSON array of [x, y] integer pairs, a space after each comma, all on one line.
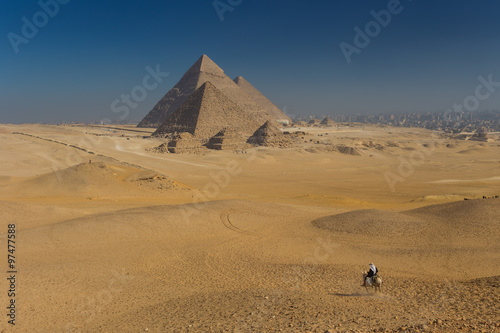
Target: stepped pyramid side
[[261, 100], [327, 121], [205, 113], [184, 143], [227, 139], [269, 135], [203, 70]]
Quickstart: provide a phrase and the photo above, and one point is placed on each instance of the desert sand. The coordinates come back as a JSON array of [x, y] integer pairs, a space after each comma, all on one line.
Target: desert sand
[[115, 237]]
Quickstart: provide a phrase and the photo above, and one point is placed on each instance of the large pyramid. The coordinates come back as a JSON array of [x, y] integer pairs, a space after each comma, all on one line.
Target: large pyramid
[[261, 100], [205, 113], [203, 70]]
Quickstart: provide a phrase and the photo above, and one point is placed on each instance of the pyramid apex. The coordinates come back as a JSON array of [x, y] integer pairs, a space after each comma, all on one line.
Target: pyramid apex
[[240, 79], [206, 65], [268, 125], [204, 57], [207, 85]]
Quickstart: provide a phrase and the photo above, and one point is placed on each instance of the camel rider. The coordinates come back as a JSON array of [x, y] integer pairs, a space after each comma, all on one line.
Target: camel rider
[[371, 273]]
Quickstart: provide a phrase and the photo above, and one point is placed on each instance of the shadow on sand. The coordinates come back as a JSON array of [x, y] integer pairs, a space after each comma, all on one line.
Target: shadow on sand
[[352, 294], [362, 294]]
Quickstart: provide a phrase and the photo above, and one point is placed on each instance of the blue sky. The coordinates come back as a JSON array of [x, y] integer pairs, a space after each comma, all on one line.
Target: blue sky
[[91, 52]]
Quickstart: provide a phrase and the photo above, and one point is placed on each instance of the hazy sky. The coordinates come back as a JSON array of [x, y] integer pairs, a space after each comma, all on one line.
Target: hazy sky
[[74, 62]]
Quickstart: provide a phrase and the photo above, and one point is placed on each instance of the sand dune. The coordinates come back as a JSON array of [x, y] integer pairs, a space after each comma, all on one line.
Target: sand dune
[[472, 151], [138, 241], [372, 222], [476, 221], [227, 260], [96, 179]]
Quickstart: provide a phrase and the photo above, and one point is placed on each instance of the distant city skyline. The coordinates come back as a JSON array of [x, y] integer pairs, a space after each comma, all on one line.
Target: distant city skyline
[[69, 61]]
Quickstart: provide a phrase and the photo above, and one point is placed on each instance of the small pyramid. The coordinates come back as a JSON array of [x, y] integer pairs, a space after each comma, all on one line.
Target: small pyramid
[[184, 143], [327, 121], [269, 135], [348, 150], [226, 139], [262, 100], [203, 70], [300, 123], [481, 134], [205, 113]]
